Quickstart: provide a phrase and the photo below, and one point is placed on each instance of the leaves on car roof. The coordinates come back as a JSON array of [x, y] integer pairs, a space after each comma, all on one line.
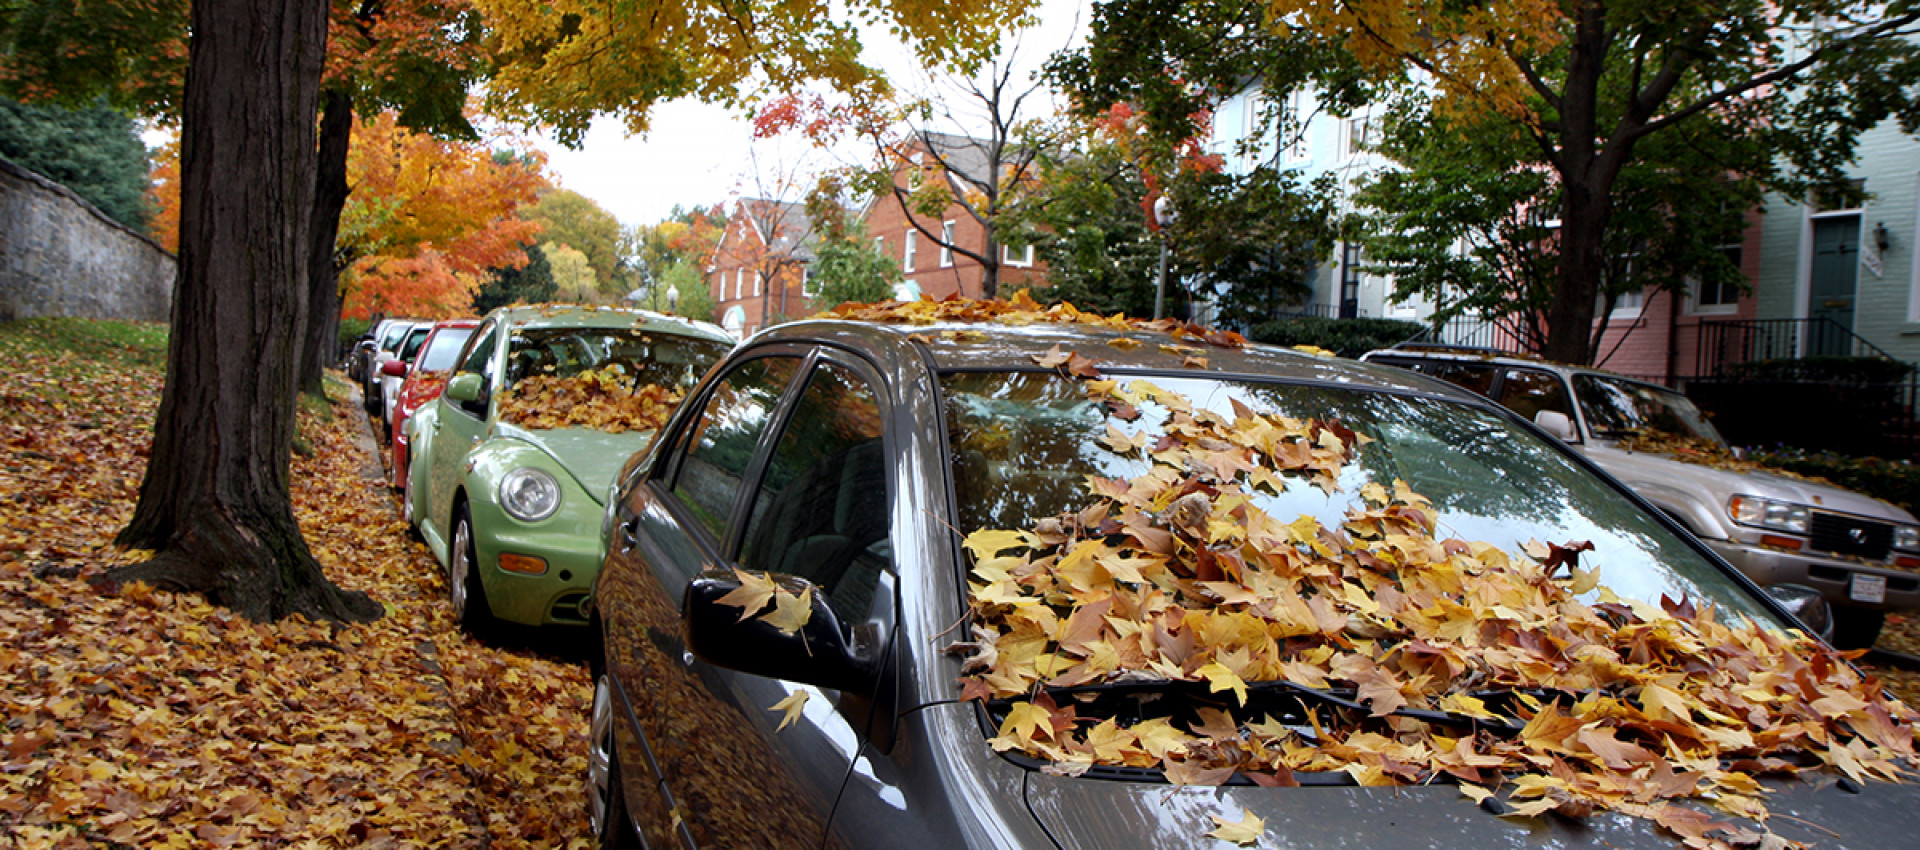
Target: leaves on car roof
[[1380, 647], [1022, 309]]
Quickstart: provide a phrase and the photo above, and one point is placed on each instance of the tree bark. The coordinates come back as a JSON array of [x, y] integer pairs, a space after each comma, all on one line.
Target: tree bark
[[323, 263], [215, 504]]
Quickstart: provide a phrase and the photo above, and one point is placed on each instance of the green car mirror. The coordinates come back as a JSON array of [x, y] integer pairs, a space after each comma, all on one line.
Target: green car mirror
[[464, 388]]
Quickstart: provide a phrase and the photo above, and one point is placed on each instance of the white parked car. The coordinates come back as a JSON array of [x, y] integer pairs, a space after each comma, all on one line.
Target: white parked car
[[1861, 553]]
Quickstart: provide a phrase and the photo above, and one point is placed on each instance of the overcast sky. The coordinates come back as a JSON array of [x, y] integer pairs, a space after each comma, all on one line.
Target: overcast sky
[[697, 154]]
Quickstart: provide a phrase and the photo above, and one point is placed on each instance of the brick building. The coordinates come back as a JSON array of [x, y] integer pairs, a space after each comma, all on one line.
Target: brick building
[[760, 266], [941, 256]]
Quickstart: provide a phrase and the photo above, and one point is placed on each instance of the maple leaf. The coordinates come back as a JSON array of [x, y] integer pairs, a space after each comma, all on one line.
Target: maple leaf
[[791, 708], [752, 594], [1244, 832], [790, 612]]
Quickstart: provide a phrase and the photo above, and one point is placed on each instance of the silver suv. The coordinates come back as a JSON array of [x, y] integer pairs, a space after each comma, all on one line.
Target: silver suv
[[1775, 528]]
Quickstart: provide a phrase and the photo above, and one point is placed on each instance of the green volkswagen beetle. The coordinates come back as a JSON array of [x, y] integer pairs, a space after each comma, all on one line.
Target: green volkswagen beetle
[[512, 464]]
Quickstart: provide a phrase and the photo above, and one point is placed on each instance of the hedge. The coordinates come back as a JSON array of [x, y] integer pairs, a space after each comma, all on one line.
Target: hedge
[[1892, 481], [1345, 337]]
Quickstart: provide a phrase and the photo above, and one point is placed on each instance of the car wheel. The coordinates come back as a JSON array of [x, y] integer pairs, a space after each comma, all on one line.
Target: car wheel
[[1856, 628], [464, 590], [606, 795]]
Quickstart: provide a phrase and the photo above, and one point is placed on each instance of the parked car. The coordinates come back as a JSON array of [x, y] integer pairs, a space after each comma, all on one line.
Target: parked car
[[511, 465], [391, 339], [360, 358], [423, 383], [844, 464], [1776, 527], [393, 372]]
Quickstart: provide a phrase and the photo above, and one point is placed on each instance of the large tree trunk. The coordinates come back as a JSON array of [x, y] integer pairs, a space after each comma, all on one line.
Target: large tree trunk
[[323, 267], [215, 505]]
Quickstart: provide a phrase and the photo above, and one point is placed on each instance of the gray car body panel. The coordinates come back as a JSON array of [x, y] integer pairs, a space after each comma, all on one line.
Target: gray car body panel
[[923, 775]]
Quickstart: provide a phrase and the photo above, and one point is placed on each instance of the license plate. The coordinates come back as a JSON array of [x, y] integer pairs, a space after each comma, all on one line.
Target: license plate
[[1866, 588]]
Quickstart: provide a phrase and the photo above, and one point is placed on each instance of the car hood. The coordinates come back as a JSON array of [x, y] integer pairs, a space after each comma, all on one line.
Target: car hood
[[1635, 469], [592, 457], [1094, 813]]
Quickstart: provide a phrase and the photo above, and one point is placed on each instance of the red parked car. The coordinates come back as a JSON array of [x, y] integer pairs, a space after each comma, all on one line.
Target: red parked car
[[425, 379]]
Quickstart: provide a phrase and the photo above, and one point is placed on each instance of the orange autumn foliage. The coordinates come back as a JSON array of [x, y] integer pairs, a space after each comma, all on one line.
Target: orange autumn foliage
[[426, 218]]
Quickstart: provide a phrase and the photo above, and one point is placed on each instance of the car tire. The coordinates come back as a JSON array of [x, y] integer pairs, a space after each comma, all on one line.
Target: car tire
[[606, 792], [1856, 628], [464, 589]]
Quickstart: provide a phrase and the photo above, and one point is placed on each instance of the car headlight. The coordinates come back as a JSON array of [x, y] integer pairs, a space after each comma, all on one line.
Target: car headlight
[[529, 494], [1767, 513], [1906, 537]]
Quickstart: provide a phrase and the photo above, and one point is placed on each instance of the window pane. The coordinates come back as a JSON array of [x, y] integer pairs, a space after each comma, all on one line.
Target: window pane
[[1528, 392], [724, 438], [821, 510]]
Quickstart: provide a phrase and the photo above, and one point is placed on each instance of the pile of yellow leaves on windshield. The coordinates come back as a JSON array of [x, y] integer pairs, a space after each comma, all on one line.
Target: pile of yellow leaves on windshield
[[603, 399], [1380, 648], [1021, 309]]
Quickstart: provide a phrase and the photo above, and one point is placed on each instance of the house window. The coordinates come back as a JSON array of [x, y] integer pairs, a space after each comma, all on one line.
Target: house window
[[1355, 135], [946, 244], [1723, 296], [907, 252], [1296, 125], [1011, 256]]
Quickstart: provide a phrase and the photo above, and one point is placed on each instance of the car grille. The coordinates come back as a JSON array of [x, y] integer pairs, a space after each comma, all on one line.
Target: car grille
[[1846, 535]]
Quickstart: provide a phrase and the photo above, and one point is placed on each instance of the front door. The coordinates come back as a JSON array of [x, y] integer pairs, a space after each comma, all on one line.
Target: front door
[[1836, 268]]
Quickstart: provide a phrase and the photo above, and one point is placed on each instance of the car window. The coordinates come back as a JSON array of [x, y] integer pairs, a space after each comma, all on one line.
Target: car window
[[394, 335], [1477, 377], [411, 347], [444, 349], [1529, 391], [722, 442], [478, 359], [1615, 406], [820, 511]]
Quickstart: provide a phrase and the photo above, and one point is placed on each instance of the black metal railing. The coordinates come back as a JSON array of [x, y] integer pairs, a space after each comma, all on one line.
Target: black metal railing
[[1726, 342]]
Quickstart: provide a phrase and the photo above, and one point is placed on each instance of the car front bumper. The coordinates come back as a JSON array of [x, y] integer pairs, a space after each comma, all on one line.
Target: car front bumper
[[550, 598], [1846, 583]]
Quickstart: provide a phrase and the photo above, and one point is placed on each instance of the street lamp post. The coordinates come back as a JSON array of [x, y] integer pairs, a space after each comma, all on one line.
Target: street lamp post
[[1163, 216]]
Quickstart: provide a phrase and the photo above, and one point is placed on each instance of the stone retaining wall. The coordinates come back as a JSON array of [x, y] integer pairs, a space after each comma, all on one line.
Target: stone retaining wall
[[61, 256]]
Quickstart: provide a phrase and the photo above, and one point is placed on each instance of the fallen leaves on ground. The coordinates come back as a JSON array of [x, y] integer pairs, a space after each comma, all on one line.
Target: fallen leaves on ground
[[602, 399], [153, 719], [1380, 648]]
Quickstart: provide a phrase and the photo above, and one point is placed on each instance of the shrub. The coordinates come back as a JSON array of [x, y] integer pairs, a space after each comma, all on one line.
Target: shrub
[[1892, 481], [1345, 337], [1853, 371]]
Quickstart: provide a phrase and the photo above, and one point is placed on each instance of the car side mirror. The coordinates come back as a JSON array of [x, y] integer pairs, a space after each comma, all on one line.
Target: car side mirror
[[464, 389], [1556, 423], [1807, 604], [395, 369], [818, 653]]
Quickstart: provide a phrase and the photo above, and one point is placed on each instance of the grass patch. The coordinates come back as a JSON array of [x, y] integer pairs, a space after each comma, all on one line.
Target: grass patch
[[106, 341]]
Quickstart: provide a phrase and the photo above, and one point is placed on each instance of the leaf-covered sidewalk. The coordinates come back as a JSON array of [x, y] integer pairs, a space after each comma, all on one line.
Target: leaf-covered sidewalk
[[152, 719]]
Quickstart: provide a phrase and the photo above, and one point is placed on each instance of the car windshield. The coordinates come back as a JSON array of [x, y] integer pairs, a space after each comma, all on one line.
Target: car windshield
[[412, 346], [1615, 407], [611, 379], [1024, 444], [444, 349]]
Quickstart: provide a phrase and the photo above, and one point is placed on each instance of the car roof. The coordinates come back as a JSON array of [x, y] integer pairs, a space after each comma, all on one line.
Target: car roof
[[1472, 354], [999, 346], [587, 316]]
